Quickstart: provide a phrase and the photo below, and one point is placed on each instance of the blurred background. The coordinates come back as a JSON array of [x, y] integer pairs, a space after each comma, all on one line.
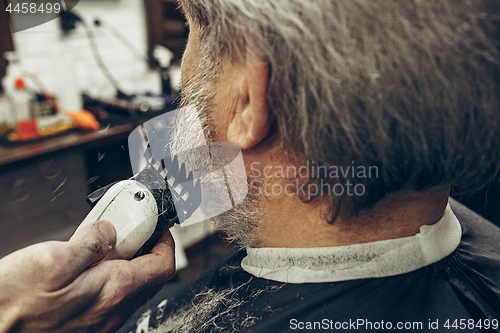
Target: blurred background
[[117, 59], [120, 61]]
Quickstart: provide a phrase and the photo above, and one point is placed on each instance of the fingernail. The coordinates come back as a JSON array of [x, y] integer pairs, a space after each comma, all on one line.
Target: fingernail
[[109, 231]]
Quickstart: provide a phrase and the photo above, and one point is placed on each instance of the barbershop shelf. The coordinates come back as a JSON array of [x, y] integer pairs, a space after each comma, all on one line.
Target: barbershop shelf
[[12, 156]]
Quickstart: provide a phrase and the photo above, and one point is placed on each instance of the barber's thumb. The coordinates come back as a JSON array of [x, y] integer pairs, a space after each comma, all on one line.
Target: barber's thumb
[[92, 243]]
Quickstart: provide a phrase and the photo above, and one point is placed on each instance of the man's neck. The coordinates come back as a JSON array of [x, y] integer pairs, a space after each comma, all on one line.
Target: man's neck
[[291, 223]]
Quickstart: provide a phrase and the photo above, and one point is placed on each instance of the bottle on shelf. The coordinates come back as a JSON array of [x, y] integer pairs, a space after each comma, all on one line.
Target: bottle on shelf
[[22, 105]]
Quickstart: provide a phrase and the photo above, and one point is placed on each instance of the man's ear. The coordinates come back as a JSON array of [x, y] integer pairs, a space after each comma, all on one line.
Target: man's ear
[[251, 123]]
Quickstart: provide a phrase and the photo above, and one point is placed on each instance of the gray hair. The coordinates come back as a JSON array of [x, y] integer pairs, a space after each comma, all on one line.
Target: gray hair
[[411, 87]]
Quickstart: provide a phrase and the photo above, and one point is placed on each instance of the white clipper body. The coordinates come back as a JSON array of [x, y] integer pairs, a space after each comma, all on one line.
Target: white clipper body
[[132, 210]]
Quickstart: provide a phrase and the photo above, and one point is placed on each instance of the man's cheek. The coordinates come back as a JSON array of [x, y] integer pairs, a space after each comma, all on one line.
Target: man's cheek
[[191, 57], [187, 70]]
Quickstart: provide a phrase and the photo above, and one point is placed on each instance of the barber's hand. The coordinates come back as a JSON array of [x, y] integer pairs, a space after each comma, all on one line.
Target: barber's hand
[[55, 286]]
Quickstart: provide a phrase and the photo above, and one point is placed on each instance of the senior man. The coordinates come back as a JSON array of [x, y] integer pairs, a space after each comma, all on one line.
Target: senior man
[[355, 119]]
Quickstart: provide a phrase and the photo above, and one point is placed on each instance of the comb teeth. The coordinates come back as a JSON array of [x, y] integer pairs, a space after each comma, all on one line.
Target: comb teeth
[[176, 187], [188, 184], [184, 190], [181, 176], [167, 161], [173, 170]]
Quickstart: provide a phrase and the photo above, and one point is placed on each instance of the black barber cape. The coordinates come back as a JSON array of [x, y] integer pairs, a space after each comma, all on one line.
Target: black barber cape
[[460, 293]]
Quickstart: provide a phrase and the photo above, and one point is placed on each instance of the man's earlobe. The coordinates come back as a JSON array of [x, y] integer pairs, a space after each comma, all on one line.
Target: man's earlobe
[[251, 123]]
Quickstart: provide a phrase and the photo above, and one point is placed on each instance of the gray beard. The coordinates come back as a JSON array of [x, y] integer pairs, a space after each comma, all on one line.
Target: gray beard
[[211, 311], [239, 223]]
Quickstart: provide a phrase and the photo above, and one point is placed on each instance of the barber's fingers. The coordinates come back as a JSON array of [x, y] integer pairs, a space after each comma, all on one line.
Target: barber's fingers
[[117, 287], [91, 244], [159, 265], [118, 280], [69, 261], [150, 269]]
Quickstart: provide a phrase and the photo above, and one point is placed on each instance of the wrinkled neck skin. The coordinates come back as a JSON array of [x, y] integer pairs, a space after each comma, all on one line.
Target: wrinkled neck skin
[[289, 222]]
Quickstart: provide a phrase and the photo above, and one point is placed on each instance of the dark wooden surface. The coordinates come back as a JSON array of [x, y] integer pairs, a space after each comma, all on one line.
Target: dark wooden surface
[[40, 201], [16, 155]]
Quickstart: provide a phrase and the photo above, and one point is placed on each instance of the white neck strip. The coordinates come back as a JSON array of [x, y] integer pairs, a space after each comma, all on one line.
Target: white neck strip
[[357, 261]]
